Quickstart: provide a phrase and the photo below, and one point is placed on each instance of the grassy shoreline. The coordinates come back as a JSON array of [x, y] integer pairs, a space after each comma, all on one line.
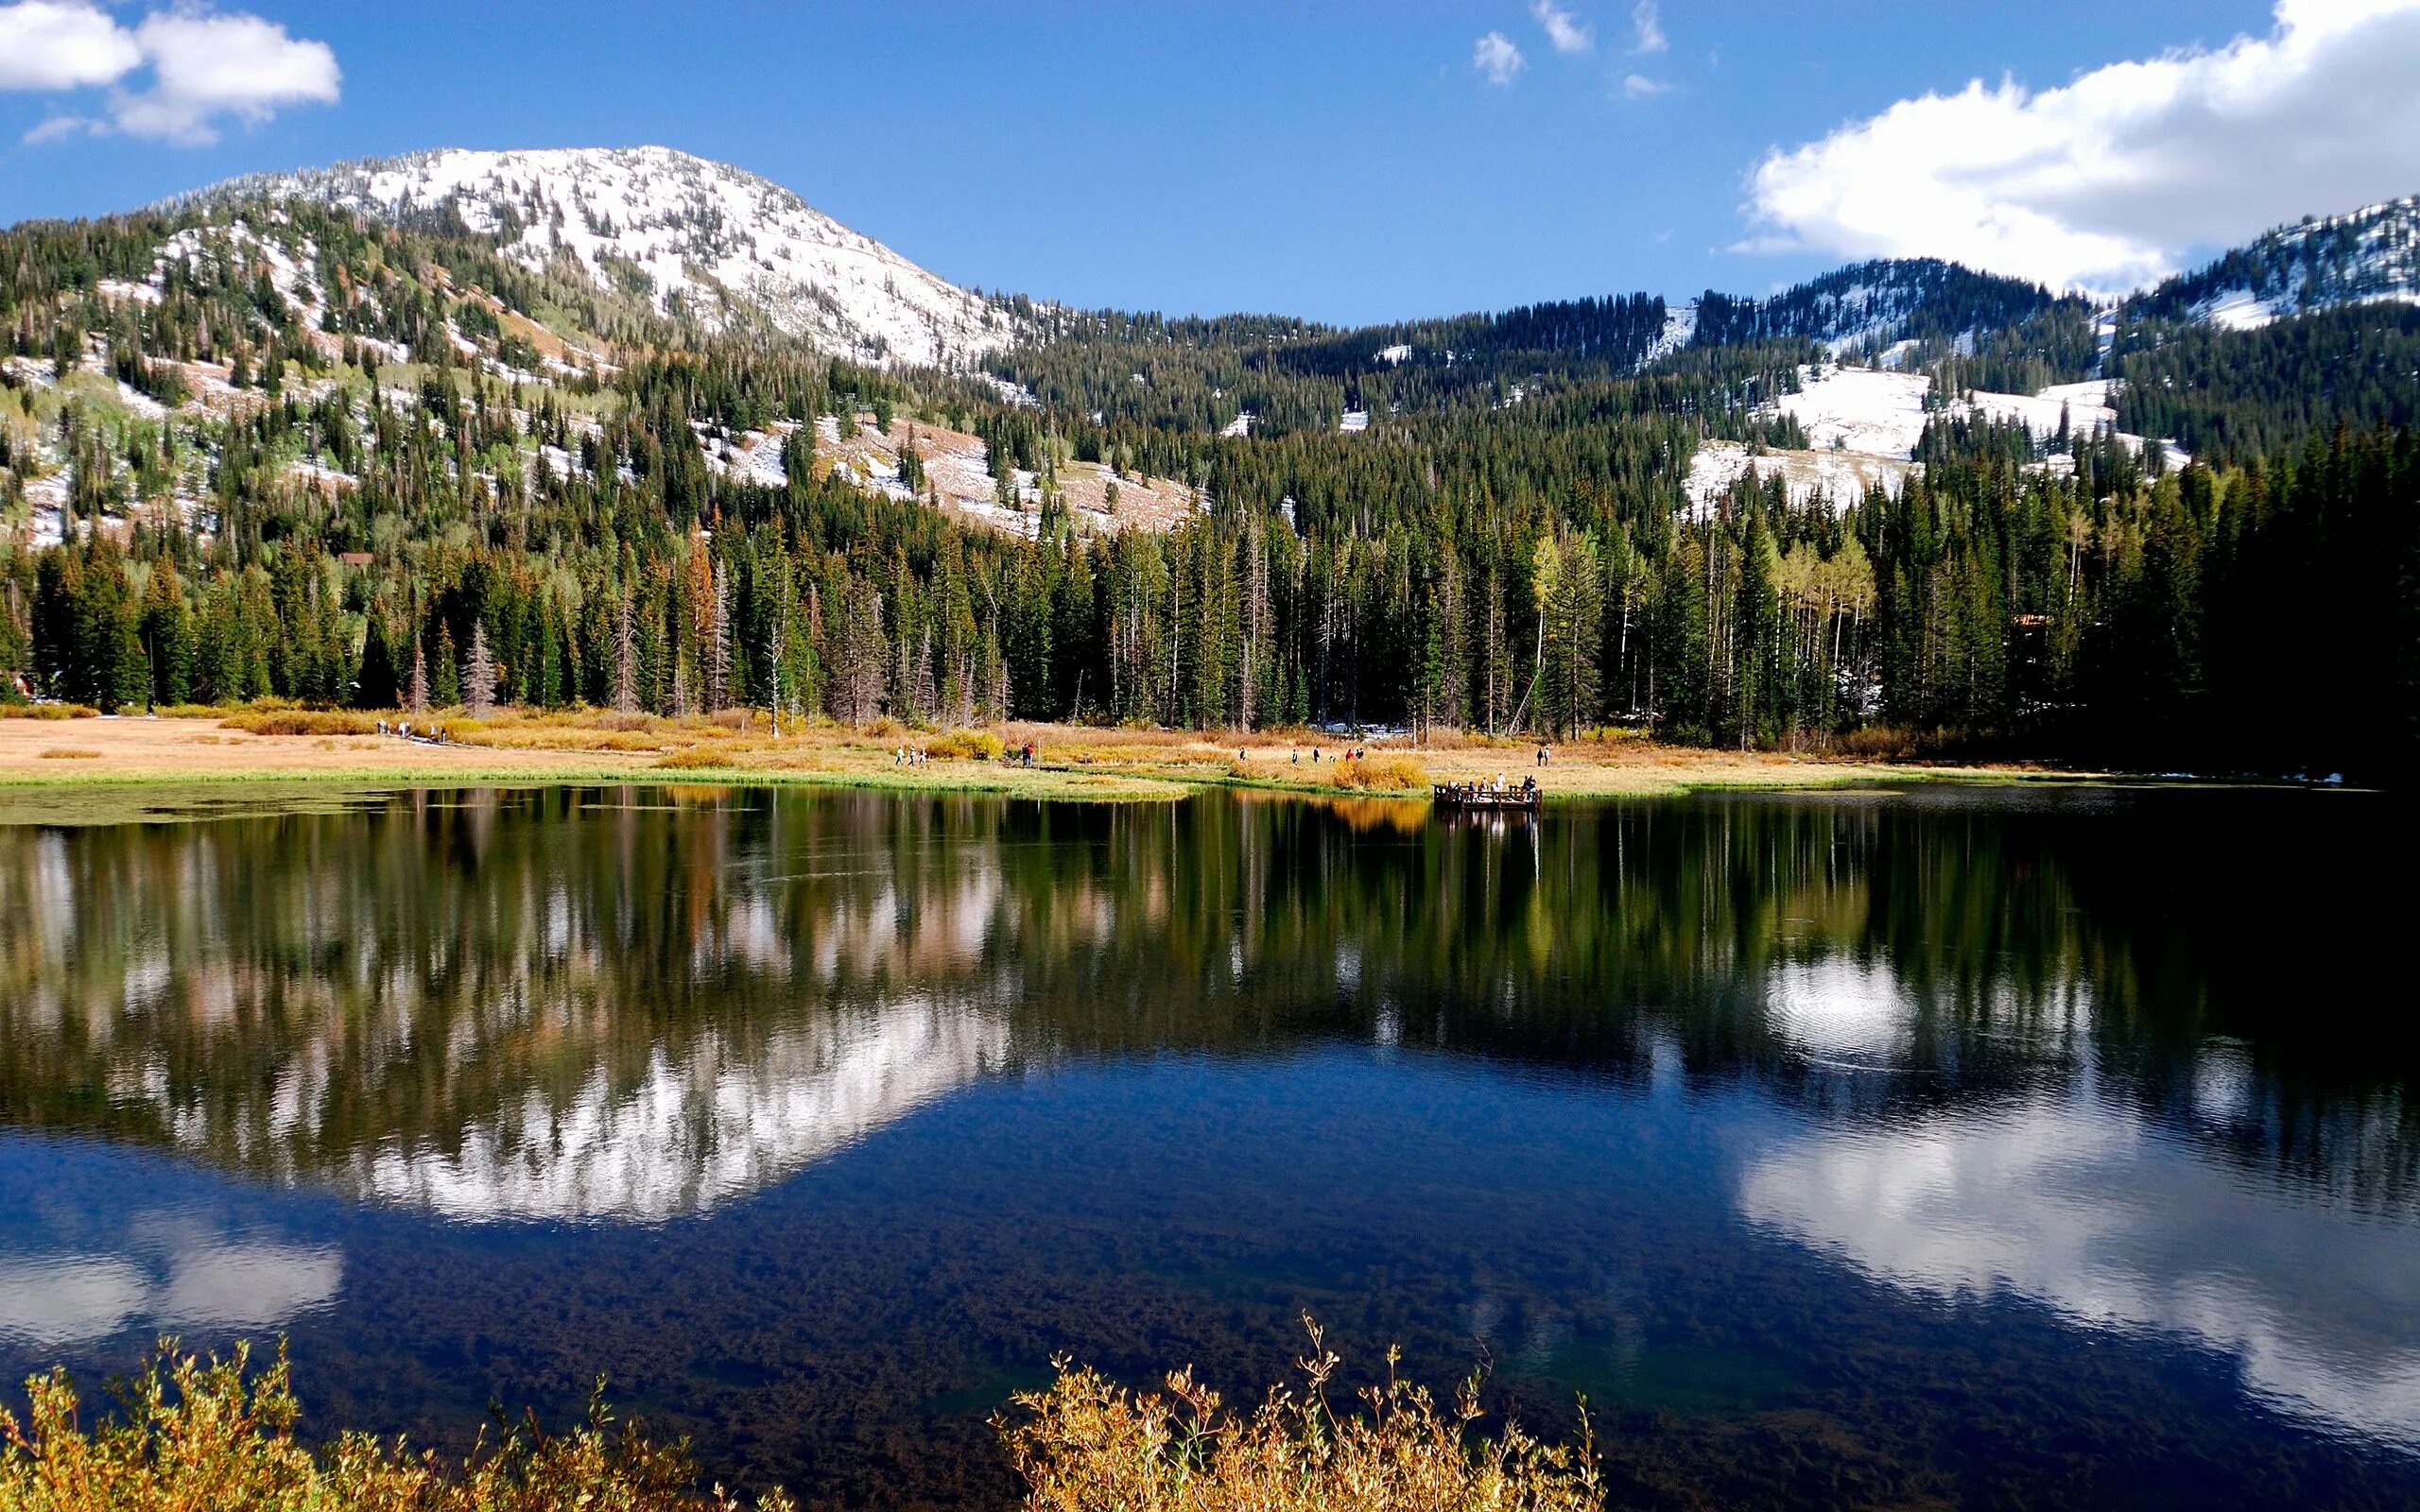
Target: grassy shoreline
[[219, 754]]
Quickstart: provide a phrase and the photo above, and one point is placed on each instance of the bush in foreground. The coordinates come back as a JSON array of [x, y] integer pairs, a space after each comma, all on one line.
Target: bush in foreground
[[1085, 1445], [195, 1434]]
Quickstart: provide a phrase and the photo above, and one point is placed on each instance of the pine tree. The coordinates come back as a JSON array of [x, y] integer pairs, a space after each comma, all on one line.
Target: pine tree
[[167, 635], [375, 687], [626, 689], [1570, 582], [995, 680], [718, 647], [416, 698], [861, 656], [478, 674]]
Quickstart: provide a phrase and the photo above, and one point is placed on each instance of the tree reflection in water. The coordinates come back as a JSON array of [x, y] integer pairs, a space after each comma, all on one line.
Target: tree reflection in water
[[631, 1008]]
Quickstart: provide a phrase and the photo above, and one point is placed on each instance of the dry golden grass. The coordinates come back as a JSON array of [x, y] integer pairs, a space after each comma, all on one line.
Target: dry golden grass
[[47, 710], [192, 1435], [1073, 760], [187, 751], [302, 722], [695, 759], [1085, 1445], [69, 753]]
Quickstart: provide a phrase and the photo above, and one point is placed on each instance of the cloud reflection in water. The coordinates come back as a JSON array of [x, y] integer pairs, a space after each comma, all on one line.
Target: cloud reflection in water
[[171, 1275], [2065, 1193]]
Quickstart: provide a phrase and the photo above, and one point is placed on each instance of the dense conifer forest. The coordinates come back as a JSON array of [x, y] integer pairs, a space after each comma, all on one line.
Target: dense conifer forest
[[430, 477]]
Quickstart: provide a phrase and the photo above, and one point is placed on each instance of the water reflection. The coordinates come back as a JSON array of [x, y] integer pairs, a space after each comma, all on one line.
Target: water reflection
[[1001, 1078], [691, 1132], [2070, 1195], [167, 1274], [642, 1004]]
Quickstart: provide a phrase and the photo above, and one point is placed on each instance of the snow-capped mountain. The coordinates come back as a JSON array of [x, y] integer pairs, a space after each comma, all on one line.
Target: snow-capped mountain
[[2370, 254], [728, 248]]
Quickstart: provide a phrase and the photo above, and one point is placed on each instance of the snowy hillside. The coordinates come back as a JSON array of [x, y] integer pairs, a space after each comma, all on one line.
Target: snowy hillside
[[730, 248], [1863, 426], [2373, 253]]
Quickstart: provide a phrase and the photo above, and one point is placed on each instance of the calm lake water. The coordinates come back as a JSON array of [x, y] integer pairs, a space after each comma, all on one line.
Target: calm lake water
[[2035, 1148]]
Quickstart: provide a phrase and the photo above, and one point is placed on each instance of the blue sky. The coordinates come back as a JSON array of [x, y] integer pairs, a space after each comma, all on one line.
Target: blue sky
[[1345, 163]]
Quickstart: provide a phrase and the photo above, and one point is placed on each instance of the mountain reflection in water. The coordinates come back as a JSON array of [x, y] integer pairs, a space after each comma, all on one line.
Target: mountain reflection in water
[[2140, 1059]]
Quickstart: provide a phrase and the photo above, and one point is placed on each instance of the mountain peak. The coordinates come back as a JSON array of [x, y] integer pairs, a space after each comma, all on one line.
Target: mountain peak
[[720, 245]]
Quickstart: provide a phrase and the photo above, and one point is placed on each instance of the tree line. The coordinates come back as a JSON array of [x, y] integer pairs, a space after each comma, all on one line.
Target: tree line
[[1495, 556]]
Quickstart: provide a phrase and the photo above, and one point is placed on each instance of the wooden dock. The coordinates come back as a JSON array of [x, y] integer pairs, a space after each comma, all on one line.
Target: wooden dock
[[1471, 798]]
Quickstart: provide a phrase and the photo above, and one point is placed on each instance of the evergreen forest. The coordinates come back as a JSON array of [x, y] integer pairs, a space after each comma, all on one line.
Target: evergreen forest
[[344, 463]]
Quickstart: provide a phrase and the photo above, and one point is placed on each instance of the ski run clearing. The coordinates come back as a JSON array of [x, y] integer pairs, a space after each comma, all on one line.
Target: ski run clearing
[[1864, 425]]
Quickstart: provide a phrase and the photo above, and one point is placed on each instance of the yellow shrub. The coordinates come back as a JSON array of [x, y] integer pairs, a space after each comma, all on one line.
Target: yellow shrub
[[302, 722], [695, 759], [67, 753], [196, 1435], [1375, 774], [966, 745], [47, 710], [1088, 1446]]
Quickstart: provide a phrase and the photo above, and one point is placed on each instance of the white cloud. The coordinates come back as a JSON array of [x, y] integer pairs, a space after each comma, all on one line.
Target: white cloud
[[2109, 180], [1646, 28], [57, 44], [1568, 33], [204, 66], [209, 65], [57, 128], [1639, 87], [1496, 59]]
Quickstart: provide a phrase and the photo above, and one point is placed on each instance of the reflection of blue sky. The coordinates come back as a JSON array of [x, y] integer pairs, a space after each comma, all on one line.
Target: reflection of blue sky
[[2075, 1199], [163, 1273]]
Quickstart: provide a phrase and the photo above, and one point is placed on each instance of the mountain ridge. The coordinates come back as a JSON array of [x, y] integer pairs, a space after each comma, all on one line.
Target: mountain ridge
[[717, 243], [736, 251]]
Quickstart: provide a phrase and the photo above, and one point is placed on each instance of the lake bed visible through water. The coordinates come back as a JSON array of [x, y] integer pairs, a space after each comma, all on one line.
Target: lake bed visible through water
[[2026, 1147]]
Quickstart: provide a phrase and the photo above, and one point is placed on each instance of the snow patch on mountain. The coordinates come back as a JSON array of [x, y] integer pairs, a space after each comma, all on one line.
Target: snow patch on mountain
[[1856, 410], [1680, 328], [1883, 414], [1840, 477], [2370, 254], [2235, 310], [2087, 407], [1863, 427], [724, 245]]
